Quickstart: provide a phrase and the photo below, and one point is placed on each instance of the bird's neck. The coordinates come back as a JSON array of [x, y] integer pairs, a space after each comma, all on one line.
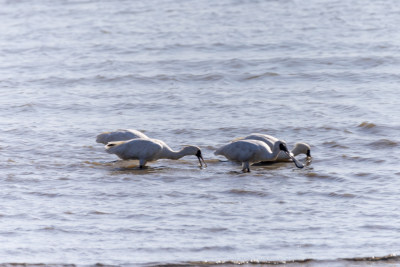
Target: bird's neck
[[276, 150], [171, 154], [296, 151]]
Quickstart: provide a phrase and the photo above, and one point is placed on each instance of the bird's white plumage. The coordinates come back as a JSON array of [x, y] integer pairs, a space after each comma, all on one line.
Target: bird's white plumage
[[148, 149], [250, 151], [268, 139], [138, 148], [119, 135], [299, 148]]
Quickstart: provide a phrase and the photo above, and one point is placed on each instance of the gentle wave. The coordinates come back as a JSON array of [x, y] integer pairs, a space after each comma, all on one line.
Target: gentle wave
[[375, 128], [367, 125], [205, 76], [363, 159], [242, 192], [306, 262], [334, 144], [320, 175], [341, 195], [384, 143]]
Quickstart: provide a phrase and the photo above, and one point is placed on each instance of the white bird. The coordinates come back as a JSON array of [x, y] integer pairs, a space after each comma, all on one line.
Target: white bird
[[119, 135], [253, 151], [148, 149], [299, 148]]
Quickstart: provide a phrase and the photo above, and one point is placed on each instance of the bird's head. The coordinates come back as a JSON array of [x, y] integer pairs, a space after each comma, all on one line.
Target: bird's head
[[302, 148], [194, 150], [283, 147]]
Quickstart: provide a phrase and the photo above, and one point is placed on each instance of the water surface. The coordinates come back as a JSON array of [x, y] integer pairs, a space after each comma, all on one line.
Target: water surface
[[201, 73]]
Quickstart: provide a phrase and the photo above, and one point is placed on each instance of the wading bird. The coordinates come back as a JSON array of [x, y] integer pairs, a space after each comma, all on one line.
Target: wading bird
[[299, 148], [253, 151], [119, 135], [147, 149]]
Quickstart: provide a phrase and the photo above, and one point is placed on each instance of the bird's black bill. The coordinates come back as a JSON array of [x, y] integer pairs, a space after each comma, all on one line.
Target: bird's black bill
[[283, 148], [296, 162], [201, 160]]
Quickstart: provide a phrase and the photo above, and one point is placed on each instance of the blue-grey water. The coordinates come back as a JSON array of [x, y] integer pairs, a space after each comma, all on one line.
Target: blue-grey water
[[325, 72]]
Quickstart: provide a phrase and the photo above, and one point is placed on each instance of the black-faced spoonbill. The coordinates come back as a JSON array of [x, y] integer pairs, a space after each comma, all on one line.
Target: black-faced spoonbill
[[119, 135], [147, 149], [252, 151], [299, 148]]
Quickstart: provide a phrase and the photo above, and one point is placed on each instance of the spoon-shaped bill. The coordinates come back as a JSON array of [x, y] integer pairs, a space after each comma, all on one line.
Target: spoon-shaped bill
[[296, 162], [201, 159]]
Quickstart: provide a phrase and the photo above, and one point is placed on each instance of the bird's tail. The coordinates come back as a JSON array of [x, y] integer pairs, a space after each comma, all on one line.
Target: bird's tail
[[102, 138], [237, 139]]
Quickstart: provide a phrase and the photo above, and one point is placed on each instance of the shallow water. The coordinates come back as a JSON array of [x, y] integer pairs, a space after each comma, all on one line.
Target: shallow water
[[202, 73]]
